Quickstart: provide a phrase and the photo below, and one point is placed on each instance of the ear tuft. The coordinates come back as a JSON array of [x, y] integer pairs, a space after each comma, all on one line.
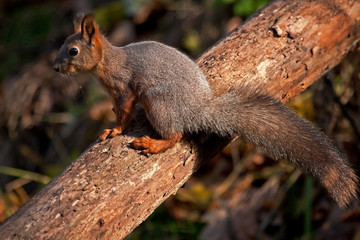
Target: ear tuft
[[89, 28], [77, 22]]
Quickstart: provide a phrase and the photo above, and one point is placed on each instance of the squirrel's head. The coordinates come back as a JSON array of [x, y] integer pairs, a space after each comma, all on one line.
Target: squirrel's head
[[83, 50]]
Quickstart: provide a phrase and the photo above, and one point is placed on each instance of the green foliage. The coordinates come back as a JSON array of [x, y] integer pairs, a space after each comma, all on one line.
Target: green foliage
[[24, 174], [192, 42], [309, 188], [160, 225], [244, 8], [109, 14], [22, 31]]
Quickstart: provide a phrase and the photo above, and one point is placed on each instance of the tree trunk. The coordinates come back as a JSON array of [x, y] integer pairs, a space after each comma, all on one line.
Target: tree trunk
[[110, 189]]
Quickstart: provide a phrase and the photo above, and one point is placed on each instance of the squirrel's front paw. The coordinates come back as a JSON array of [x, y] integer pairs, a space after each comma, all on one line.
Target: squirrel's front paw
[[109, 133]]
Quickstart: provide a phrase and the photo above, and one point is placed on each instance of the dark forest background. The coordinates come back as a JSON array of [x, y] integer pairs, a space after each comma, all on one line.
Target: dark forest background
[[47, 120]]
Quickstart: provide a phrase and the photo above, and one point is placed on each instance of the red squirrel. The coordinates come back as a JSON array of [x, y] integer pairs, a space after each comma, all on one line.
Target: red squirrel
[[178, 100]]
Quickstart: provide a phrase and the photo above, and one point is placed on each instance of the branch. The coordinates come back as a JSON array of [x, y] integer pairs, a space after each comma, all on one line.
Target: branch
[[110, 189]]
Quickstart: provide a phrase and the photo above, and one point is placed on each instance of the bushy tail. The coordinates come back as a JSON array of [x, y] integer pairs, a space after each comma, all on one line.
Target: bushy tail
[[267, 123]]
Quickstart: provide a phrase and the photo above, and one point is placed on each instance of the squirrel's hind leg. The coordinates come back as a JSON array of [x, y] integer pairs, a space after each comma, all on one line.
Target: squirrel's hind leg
[[149, 145]]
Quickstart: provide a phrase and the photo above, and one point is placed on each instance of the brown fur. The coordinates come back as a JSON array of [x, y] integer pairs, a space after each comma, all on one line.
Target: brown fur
[[178, 100]]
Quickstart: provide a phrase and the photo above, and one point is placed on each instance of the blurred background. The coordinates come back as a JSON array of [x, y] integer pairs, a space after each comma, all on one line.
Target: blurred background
[[47, 120]]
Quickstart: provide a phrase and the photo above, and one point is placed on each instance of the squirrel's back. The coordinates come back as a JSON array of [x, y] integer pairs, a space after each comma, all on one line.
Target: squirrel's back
[[174, 86], [161, 64]]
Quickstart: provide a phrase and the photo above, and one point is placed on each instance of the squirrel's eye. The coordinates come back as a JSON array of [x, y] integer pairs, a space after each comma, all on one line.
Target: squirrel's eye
[[73, 51]]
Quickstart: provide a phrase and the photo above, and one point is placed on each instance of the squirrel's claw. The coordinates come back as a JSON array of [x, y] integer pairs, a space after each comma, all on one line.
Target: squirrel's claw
[[149, 145], [105, 134], [145, 144], [141, 143], [109, 133]]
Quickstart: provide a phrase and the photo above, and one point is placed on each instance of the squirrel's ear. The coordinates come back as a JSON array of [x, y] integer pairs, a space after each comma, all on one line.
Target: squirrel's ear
[[89, 28], [77, 22]]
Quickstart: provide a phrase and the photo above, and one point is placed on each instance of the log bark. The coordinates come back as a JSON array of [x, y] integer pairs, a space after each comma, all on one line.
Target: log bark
[[110, 189]]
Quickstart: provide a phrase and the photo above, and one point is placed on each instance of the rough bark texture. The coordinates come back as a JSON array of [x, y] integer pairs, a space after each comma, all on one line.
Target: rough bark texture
[[110, 189]]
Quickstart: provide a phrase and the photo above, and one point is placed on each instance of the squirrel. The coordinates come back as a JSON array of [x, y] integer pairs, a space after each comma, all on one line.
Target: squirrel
[[178, 100]]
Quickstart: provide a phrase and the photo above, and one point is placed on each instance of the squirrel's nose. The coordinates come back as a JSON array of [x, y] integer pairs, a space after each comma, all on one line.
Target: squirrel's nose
[[56, 67]]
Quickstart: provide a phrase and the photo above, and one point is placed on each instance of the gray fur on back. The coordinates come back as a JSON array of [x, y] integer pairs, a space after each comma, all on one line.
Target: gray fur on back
[[178, 86]]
